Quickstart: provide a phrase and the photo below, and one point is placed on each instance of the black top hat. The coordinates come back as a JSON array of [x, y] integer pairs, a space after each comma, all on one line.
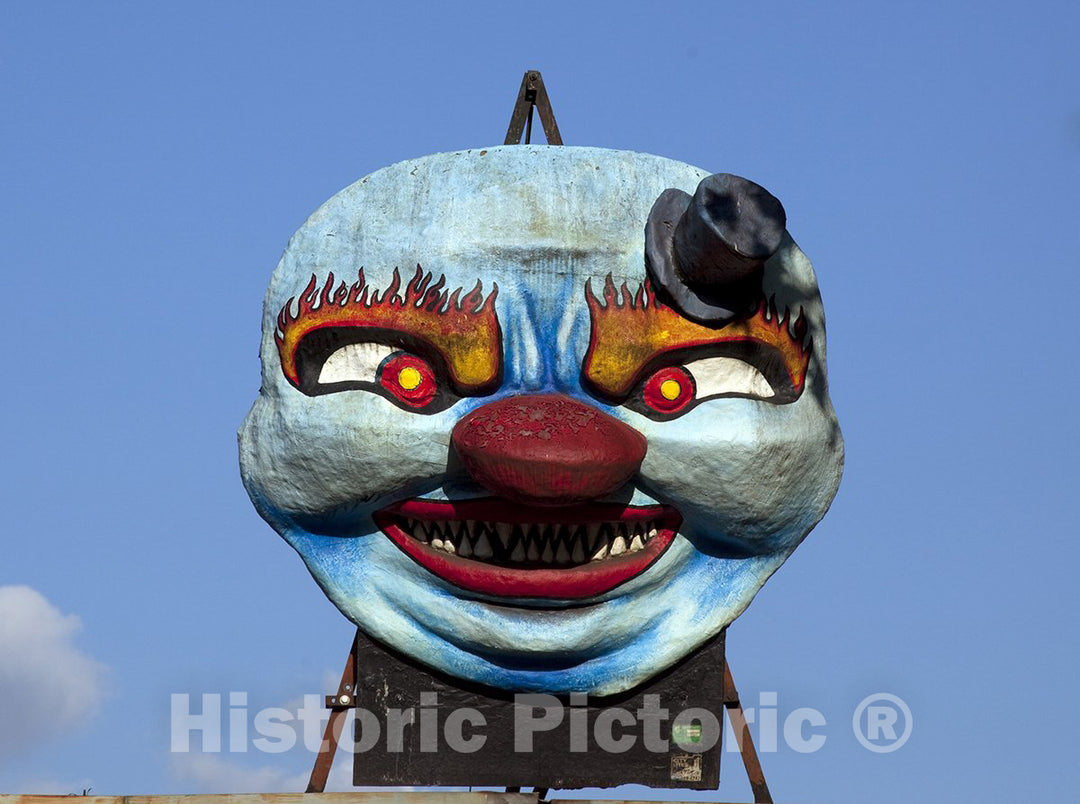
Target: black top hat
[[704, 253]]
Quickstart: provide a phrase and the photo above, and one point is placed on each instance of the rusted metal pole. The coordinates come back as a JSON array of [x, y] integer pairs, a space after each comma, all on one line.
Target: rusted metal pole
[[547, 115], [338, 704], [746, 743]]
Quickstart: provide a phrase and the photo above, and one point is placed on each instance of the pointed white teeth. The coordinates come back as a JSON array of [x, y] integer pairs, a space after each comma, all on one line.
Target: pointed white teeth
[[539, 545], [504, 531]]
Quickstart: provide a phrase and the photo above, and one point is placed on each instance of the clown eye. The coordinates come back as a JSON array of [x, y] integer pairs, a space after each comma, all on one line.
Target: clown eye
[[669, 390], [410, 379], [674, 390], [330, 361], [406, 378]]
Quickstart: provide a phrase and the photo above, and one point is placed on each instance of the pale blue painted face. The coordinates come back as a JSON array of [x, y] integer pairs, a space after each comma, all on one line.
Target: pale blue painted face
[[359, 421]]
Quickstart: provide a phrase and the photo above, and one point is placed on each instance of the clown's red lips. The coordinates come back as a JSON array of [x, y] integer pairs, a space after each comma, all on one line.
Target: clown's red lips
[[504, 549]]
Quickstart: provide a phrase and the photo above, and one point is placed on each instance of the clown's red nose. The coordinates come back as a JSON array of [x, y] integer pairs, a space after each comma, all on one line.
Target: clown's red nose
[[547, 449]]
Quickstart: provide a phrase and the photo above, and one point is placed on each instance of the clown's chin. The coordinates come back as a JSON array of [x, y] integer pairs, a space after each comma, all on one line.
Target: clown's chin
[[496, 547]]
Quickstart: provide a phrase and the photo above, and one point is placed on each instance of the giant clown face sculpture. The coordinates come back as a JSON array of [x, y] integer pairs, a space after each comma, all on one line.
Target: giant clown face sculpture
[[543, 418]]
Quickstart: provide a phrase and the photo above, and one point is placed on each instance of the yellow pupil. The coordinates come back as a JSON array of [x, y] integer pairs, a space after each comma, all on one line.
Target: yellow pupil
[[670, 390], [408, 378]]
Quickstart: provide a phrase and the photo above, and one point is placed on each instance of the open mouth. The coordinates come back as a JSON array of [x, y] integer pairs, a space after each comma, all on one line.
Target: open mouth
[[500, 548]]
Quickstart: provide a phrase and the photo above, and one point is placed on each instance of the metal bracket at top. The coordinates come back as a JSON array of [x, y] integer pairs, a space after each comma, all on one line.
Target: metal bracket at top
[[532, 95]]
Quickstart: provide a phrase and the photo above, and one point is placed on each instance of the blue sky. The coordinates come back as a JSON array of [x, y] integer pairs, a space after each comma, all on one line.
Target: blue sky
[[156, 158]]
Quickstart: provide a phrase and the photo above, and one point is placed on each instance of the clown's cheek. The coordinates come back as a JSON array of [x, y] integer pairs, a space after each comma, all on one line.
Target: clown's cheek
[[751, 487], [313, 456]]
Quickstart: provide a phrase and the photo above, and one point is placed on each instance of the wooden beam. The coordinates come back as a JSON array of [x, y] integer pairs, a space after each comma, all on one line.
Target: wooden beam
[[375, 797]]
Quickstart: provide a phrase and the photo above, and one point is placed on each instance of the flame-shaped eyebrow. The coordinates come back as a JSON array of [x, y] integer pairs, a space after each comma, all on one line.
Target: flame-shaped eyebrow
[[463, 329], [630, 331]]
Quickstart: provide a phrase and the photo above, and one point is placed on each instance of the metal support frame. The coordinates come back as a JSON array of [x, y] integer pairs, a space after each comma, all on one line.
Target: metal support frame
[[345, 699], [742, 737], [338, 705], [532, 95]]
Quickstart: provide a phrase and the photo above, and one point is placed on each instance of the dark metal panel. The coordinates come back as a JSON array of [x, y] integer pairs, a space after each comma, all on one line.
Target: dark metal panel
[[399, 696]]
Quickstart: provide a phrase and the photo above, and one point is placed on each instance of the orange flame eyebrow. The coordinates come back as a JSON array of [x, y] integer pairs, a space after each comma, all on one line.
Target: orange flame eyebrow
[[629, 331], [464, 329]]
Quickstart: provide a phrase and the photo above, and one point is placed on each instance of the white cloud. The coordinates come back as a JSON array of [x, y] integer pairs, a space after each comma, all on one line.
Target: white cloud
[[47, 685]]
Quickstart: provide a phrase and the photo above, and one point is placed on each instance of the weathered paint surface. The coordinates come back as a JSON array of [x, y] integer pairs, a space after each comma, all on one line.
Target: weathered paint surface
[[352, 428]]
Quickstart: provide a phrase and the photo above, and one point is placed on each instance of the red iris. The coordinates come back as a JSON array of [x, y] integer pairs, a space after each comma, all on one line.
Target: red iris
[[669, 390], [409, 379]]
